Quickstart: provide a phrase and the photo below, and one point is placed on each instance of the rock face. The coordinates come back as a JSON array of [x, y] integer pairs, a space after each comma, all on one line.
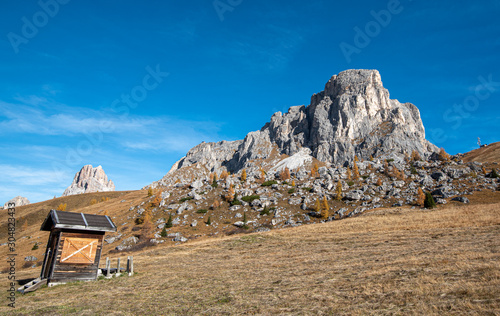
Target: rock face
[[88, 180], [353, 116], [18, 201]]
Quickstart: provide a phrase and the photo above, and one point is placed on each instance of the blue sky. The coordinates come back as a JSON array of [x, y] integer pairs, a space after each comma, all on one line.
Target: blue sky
[[133, 85]]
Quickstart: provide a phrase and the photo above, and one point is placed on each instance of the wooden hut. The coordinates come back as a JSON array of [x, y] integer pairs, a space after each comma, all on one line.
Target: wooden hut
[[74, 246]]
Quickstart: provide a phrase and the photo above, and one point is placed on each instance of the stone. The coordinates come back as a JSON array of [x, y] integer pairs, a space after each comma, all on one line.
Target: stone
[[30, 258], [438, 176], [239, 224], [427, 181], [112, 239], [89, 179], [461, 199], [180, 238], [456, 172], [127, 243], [184, 207], [262, 229], [440, 201], [294, 201], [398, 204], [197, 184], [235, 208], [17, 201], [238, 215], [341, 212], [444, 192], [194, 223], [353, 195], [165, 195]]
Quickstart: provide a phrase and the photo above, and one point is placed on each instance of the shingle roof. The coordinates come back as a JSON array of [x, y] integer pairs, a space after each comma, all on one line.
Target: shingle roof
[[78, 221]]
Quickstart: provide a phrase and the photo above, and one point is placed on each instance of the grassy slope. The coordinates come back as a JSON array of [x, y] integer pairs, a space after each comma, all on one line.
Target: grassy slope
[[488, 154], [395, 261]]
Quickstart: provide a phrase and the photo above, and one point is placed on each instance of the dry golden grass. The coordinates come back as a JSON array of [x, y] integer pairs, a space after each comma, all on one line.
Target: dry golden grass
[[488, 154], [393, 261]]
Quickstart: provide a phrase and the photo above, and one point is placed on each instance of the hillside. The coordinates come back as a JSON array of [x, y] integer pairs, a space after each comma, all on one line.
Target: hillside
[[391, 261], [268, 203], [488, 154]]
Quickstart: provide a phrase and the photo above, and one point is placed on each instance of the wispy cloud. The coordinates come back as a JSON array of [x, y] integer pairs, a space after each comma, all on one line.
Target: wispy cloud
[[30, 176], [39, 116]]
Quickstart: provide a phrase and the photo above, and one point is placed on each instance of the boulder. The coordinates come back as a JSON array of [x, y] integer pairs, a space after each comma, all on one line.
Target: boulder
[[461, 199]]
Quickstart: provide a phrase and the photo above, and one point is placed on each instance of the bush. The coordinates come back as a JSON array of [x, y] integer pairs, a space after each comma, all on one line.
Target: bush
[[493, 174], [235, 202], [139, 221], [413, 170], [62, 207], [350, 183], [265, 211], [209, 221], [169, 224], [93, 201], [269, 183], [35, 246], [202, 211], [188, 198], [429, 201], [250, 198], [164, 232], [291, 191], [307, 189], [150, 191]]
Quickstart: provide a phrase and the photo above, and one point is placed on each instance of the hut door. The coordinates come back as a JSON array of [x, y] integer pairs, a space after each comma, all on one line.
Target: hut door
[[79, 250]]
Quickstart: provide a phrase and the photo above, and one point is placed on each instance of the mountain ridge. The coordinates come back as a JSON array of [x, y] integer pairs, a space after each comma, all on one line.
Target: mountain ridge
[[352, 117]]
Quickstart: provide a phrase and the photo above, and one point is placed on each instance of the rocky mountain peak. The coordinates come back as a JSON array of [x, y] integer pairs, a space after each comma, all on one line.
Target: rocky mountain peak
[[90, 179], [352, 116], [18, 201]]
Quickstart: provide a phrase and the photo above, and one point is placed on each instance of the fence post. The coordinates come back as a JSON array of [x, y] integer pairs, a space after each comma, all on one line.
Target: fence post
[[118, 268], [130, 265], [108, 267]]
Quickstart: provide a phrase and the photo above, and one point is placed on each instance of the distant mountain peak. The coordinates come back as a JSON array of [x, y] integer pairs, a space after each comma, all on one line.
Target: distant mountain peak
[[17, 201], [90, 179]]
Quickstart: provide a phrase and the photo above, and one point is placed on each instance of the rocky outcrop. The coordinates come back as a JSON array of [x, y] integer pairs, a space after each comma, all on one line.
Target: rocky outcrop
[[353, 116], [18, 201], [88, 180]]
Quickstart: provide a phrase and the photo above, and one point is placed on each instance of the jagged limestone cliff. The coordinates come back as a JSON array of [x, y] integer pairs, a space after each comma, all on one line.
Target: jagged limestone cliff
[[88, 180], [353, 116]]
